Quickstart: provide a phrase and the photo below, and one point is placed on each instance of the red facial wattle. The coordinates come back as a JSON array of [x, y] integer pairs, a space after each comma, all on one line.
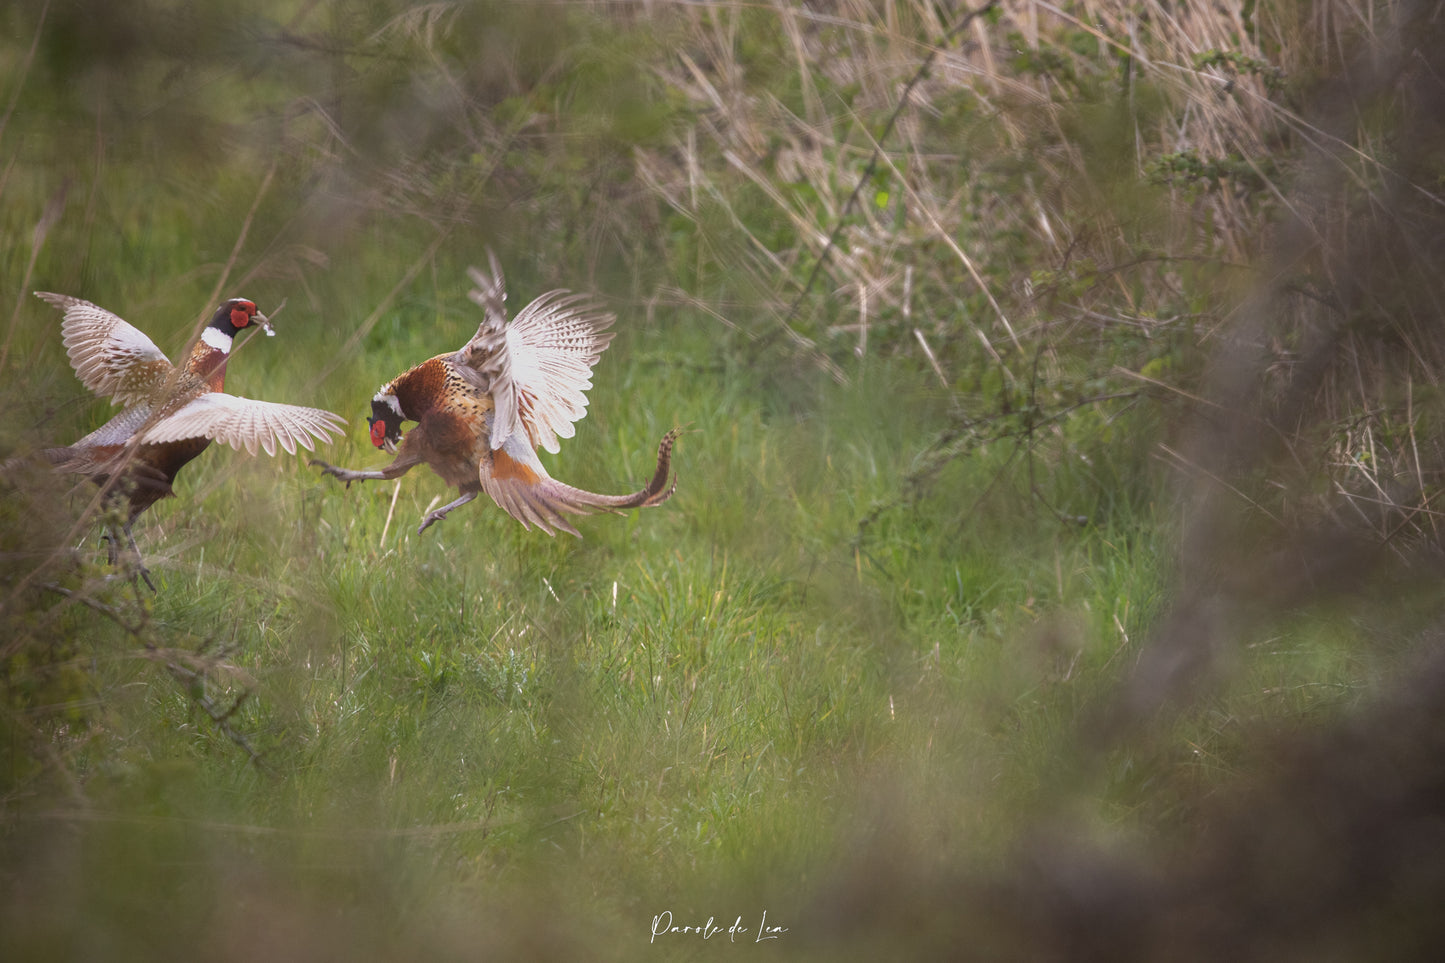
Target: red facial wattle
[[241, 316], [378, 433]]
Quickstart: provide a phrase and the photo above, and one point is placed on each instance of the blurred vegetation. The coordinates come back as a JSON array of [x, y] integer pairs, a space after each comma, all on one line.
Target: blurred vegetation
[[1052, 570]]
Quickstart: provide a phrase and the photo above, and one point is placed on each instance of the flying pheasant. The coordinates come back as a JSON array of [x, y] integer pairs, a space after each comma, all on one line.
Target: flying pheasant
[[482, 411], [170, 415]]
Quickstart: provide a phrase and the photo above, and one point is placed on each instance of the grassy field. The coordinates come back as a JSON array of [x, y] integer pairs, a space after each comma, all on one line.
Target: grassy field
[[1050, 569]]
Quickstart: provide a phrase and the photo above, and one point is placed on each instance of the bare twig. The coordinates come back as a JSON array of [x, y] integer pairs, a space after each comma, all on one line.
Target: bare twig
[[872, 165]]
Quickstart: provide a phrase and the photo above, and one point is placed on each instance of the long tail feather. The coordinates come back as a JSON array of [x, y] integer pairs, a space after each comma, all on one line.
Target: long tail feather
[[559, 495]]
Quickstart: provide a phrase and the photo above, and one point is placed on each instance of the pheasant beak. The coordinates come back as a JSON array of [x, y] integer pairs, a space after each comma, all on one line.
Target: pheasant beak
[[263, 321], [381, 436]]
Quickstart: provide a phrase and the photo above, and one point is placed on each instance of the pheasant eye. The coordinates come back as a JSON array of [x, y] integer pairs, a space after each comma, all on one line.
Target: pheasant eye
[[378, 431]]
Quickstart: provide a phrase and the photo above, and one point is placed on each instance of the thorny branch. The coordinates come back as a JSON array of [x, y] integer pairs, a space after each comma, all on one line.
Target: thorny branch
[[191, 669]]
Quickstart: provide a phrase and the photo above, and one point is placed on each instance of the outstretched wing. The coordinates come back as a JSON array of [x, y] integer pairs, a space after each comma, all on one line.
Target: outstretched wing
[[539, 367], [246, 423], [490, 294], [112, 358]]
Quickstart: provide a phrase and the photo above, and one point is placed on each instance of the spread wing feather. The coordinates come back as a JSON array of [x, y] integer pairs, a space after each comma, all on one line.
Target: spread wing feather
[[112, 358], [119, 429], [539, 367], [246, 423]]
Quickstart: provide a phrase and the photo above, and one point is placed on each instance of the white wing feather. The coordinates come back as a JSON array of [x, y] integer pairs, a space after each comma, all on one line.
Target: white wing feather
[[552, 345], [111, 357], [246, 423], [119, 429], [540, 365]]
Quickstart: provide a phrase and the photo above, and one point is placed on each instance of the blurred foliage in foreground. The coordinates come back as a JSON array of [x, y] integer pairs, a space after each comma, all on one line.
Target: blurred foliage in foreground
[[1053, 568]]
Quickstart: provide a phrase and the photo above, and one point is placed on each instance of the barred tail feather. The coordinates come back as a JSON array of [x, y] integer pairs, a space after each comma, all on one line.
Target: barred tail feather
[[657, 491], [543, 502]]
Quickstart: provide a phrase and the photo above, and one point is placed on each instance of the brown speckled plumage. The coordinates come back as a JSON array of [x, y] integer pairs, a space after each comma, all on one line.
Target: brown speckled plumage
[[482, 410], [170, 414]]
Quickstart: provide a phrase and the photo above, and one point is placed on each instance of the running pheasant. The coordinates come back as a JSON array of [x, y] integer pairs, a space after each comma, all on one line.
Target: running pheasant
[[170, 415], [482, 411]]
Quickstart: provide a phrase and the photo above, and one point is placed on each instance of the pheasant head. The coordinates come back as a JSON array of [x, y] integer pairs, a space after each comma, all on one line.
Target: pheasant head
[[386, 418], [208, 357]]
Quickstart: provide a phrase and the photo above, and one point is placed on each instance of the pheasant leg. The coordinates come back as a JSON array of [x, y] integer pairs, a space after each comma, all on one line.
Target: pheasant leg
[[114, 554], [433, 517], [348, 475]]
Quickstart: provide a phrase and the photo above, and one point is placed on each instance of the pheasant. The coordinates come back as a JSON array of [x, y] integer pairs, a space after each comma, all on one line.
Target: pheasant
[[170, 415], [481, 412]]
